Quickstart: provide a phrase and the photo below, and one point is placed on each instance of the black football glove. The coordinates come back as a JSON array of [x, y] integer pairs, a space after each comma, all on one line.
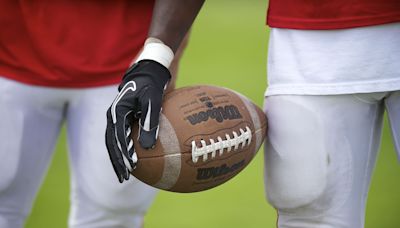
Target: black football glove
[[139, 99]]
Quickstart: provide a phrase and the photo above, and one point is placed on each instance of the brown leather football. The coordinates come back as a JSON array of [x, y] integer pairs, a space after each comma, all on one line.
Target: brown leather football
[[207, 135]]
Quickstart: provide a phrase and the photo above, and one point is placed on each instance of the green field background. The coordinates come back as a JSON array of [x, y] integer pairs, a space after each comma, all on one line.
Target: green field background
[[228, 47]]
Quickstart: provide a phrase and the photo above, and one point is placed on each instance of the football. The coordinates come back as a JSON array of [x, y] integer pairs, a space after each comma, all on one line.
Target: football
[[207, 135]]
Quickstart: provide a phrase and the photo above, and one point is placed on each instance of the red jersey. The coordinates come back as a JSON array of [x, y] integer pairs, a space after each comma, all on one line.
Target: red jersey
[[71, 43], [331, 14]]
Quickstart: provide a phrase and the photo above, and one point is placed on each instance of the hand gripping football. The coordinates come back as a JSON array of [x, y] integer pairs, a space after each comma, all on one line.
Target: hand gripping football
[[207, 135]]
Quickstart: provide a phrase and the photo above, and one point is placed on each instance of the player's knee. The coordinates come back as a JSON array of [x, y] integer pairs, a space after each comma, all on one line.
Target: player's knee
[[122, 205], [122, 197], [6, 179], [293, 183], [294, 196]]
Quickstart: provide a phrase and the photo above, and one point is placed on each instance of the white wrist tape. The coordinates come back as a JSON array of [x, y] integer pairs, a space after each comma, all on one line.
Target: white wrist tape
[[158, 52]]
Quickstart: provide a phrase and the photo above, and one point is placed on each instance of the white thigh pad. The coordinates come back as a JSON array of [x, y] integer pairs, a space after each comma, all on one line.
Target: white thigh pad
[[296, 160], [319, 157]]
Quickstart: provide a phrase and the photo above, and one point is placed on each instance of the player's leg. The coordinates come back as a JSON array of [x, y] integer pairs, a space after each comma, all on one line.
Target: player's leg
[[30, 120], [98, 199], [392, 103], [319, 156]]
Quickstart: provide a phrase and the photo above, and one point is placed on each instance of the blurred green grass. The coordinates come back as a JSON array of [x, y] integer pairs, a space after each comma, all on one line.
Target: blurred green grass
[[228, 47]]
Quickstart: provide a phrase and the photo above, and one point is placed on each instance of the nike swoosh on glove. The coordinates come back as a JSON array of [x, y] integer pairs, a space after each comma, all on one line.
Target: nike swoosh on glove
[[139, 99]]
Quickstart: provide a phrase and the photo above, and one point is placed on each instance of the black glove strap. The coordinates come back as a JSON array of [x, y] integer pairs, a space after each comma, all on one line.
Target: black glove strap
[[150, 69]]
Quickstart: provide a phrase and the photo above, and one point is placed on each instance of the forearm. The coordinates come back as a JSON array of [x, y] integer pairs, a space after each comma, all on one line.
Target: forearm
[[174, 68], [172, 19]]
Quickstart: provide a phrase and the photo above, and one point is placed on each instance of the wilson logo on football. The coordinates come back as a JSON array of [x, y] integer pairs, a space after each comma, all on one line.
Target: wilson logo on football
[[228, 112], [213, 172]]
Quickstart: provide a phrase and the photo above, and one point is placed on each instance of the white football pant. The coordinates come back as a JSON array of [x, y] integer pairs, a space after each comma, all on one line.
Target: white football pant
[[30, 122], [320, 154]]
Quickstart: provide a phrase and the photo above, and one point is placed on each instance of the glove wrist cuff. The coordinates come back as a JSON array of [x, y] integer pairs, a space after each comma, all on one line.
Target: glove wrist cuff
[[156, 51]]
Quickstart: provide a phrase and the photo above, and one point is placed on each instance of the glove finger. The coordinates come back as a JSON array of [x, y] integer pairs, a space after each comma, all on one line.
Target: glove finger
[[124, 118], [129, 155], [149, 119], [114, 152]]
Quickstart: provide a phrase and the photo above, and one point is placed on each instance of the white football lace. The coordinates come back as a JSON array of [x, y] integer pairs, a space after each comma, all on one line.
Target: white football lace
[[221, 144]]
